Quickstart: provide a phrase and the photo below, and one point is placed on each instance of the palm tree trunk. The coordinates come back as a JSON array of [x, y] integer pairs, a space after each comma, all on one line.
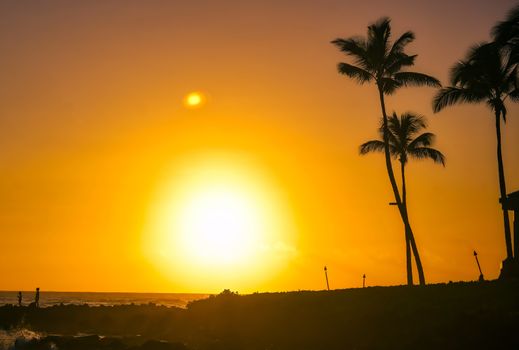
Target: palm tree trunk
[[409, 264], [389, 166], [410, 236], [502, 187], [391, 175], [419, 267]]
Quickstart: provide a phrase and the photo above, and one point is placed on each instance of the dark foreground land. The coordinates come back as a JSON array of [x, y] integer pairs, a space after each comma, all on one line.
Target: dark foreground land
[[453, 316]]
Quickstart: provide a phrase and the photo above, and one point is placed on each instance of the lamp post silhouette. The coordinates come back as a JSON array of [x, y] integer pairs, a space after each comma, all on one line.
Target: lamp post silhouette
[[481, 278], [364, 281], [326, 275]]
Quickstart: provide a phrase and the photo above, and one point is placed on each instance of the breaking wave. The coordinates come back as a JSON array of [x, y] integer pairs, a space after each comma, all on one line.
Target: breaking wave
[[10, 339]]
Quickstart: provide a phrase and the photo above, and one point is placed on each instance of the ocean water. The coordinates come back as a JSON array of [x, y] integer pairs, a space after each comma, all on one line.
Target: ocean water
[[101, 298]]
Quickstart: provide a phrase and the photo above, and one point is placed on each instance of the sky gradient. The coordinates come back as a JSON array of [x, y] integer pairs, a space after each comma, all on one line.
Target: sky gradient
[[93, 123]]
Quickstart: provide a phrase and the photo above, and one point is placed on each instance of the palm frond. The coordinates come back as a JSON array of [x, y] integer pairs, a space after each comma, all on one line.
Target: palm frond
[[416, 79], [379, 34], [511, 78], [423, 140], [411, 123], [352, 46], [451, 95], [487, 74], [393, 136], [355, 47], [428, 153], [377, 146], [509, 69], [371, 146], [476, 77], [395, 62], [480, 50], [389, 85], [514, 95], [359, 74], [463, 73], [504, 31], [381, 59], [479, 69], [401, 42], [400, 131], [514, 50]]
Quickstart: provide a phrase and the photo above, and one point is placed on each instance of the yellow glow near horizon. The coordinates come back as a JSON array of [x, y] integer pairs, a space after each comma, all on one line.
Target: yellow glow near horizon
[[194, 99], [219, 221]]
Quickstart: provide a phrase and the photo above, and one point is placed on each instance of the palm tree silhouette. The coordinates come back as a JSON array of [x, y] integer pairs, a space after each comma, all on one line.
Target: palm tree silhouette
[[404, 144], [377, 59], [485, 76]]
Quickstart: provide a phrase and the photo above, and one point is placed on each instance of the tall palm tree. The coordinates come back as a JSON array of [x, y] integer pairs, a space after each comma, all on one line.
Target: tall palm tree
[[485, 76], [404, 144], [377, 59]]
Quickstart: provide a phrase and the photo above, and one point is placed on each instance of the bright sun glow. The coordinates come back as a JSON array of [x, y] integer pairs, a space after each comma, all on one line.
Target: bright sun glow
[[219, 225], [194, 99], [219, 220]]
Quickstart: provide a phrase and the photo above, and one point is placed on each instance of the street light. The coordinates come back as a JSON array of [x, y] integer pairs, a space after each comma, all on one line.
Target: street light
[[481, 278], [326, 275]]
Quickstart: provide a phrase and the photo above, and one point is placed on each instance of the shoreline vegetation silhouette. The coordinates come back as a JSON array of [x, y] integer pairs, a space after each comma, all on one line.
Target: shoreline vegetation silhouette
[[475, 315]]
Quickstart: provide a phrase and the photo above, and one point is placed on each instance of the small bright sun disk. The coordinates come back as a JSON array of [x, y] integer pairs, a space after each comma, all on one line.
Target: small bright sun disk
[[194, 99]]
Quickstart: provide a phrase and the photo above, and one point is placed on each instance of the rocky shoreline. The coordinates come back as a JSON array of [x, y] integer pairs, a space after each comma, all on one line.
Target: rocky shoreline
[[448, 316]]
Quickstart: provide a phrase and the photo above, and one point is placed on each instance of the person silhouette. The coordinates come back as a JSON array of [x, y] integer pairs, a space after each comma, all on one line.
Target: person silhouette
[[37, 298], [19, 298]]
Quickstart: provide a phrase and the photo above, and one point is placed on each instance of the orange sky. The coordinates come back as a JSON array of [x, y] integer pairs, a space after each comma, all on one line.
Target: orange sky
[[91, 118]]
